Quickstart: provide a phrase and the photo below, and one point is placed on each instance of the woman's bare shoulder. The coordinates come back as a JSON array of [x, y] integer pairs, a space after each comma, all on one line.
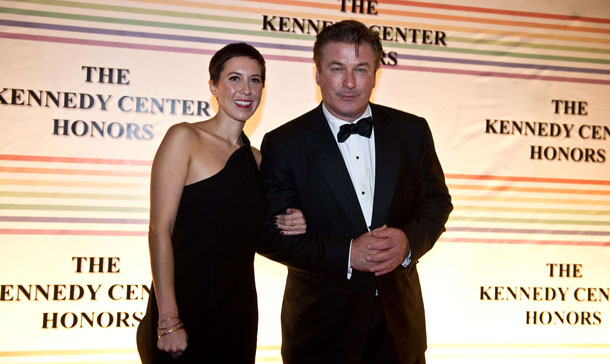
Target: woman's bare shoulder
[[183, 134], [182, 130]]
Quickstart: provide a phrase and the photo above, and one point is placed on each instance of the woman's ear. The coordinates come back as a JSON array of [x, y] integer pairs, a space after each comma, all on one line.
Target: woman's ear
[[213, 88]]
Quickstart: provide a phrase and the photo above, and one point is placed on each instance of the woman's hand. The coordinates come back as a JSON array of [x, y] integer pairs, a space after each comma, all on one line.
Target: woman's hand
[[292, 222], [172, 338]]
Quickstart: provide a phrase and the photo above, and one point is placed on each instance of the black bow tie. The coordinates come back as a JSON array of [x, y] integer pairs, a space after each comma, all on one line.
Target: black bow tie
[[363, 127]]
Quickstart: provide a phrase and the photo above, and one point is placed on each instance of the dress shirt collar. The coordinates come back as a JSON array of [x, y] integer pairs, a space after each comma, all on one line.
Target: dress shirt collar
[[335, 123]]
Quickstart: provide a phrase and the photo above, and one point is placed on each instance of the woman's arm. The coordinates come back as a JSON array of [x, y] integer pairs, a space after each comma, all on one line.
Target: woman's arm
[[168, 176]]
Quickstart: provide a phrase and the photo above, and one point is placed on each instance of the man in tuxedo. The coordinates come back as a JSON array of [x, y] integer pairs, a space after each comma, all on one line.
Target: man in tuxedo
[[373, 193]]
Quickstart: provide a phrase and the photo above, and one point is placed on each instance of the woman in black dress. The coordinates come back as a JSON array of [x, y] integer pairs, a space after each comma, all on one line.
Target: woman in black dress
[[206, 214]]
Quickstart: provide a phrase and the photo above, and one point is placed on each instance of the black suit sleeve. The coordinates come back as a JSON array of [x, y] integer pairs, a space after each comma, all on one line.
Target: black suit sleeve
[[432, 204], [314, 253]]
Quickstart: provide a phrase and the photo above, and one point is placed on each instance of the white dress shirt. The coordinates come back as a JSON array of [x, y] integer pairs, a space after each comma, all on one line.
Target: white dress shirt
[[359, 156]]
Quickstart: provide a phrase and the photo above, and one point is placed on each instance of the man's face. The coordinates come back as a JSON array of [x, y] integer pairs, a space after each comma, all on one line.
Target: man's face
[[346, 79]]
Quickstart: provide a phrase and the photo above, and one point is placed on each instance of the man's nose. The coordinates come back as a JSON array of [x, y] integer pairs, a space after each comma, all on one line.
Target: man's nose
[[349, 81]]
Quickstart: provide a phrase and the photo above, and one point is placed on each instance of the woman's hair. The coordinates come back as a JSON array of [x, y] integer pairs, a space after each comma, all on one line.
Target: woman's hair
[[351, 32], [217, 63]]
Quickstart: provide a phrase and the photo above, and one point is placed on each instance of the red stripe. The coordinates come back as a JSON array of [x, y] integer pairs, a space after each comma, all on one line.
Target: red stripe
[[475, 9], [82, 172], [40, 158]]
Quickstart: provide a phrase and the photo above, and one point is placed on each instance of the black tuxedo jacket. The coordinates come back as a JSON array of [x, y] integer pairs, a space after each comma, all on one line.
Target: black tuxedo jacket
[[325, 316]]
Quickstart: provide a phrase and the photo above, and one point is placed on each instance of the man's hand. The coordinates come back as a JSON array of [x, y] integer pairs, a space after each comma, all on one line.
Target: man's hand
[[388, 251], [361, 250], [292, 222]]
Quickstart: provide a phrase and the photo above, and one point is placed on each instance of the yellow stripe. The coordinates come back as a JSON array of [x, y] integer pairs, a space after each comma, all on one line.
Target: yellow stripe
[[6, 354], [96, 184], [521, 346], [531, 200], [269, 347], [100, 351]]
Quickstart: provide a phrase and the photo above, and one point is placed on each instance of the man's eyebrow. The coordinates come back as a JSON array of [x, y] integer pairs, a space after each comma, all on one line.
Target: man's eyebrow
[[337, 63]]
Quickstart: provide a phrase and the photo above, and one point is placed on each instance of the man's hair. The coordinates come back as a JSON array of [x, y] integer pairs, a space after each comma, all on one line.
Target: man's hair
[[217, 63], [351, 32]]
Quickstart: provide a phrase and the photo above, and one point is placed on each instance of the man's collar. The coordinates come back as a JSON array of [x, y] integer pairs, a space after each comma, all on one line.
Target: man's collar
[[336, 122]]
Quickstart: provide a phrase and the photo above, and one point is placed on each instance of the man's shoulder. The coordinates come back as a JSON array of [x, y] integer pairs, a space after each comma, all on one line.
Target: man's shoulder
[[295, 126], [394, 114]]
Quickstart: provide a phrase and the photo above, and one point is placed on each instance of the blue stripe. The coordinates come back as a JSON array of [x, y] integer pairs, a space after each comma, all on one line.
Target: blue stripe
[[503, 64], [147, 35]]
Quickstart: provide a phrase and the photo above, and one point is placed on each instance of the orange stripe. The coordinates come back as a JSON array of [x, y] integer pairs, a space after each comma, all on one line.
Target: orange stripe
[[528, 189], [28, 182], [37, 158], [84, 172], [528, 179], [308, 4], [468, 19]]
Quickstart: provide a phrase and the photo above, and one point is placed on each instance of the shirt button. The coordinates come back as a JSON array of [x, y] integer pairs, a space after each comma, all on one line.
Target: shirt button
[[363, 192], [357, 157]]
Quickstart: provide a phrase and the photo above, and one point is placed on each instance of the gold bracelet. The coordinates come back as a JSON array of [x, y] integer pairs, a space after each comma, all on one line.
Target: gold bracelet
[[167, 319], [173, 329], [169, 327]]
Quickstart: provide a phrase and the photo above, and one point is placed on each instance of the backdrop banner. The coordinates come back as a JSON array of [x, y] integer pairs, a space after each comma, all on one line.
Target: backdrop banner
[[516, 93]]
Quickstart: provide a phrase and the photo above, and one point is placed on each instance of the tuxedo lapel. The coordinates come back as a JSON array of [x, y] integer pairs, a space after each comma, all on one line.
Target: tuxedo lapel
[[328, 157], [387, 163]]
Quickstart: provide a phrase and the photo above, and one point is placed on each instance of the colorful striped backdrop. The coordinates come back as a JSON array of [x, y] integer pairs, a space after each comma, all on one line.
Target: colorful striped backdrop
[[74, 173]]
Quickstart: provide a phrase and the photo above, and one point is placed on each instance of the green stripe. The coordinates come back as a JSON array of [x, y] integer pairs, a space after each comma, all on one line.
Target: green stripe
[[527, 221], [496, 53], [90, 196], [536, 210], [266, 34], [132, 10], [102, 19], [528, 45], [72, 208], [148, 23]]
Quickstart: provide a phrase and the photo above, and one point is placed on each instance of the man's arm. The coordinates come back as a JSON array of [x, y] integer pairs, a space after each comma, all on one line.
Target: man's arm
[[432, 205], [311, 252], [431, 210]]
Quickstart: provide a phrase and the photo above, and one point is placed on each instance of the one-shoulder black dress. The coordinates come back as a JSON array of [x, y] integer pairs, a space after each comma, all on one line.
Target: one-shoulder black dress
[[217, 226]]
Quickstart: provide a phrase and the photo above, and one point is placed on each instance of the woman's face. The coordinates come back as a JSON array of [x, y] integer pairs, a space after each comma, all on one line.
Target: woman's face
[[239, 88]]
